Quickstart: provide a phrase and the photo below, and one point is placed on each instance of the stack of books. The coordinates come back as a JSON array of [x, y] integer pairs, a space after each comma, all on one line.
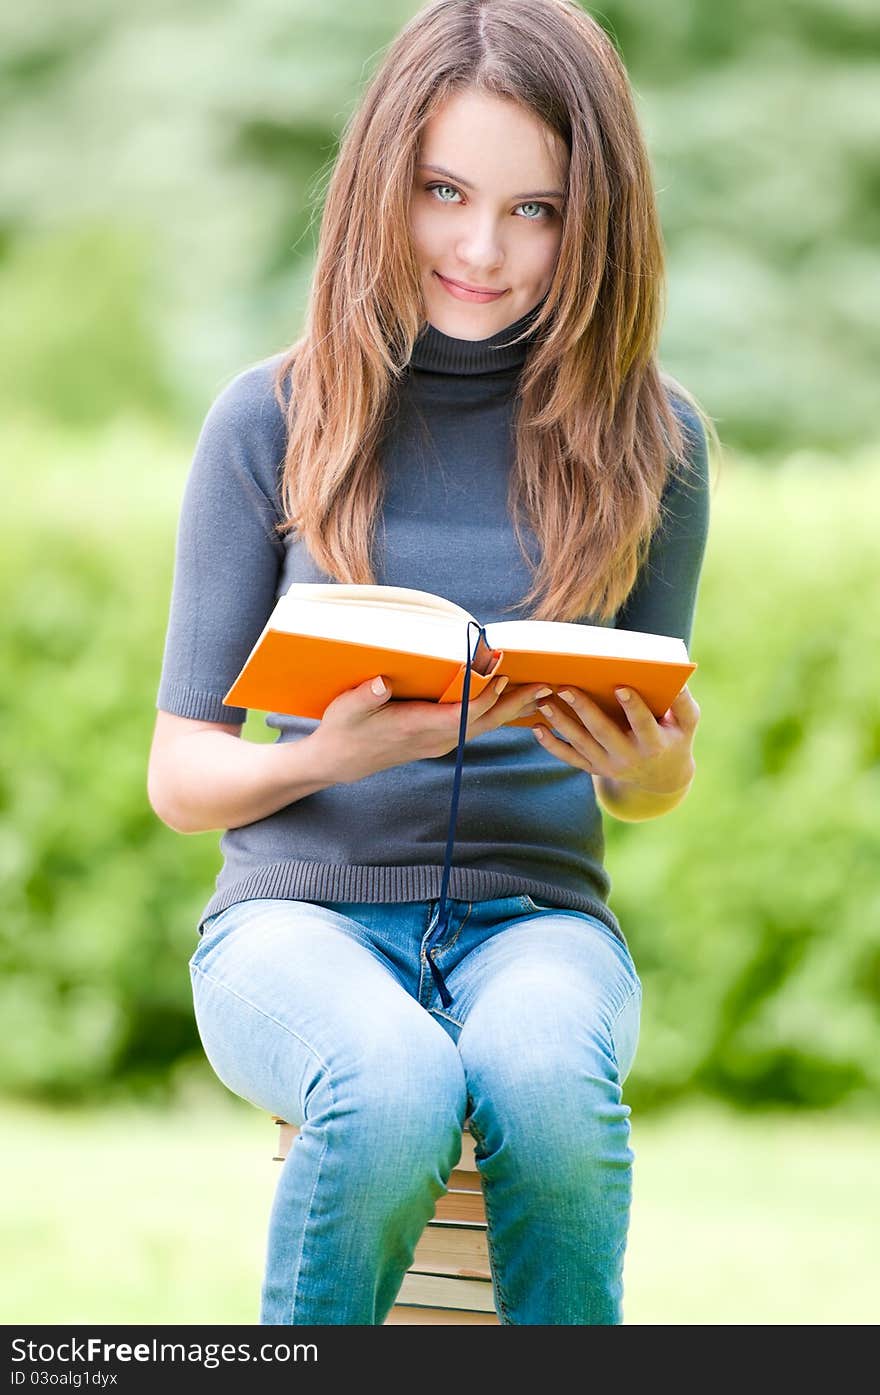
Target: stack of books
[[449, 1280]]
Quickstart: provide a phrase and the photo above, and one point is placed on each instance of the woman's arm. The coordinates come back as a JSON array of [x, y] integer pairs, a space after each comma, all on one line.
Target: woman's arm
[[664, 597], [228, 557], [227, 573], [649, 772], [663, 601], [202, 776], [634, 805]]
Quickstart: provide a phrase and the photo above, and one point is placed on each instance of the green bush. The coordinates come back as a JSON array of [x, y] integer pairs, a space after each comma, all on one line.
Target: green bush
[[752, 909]]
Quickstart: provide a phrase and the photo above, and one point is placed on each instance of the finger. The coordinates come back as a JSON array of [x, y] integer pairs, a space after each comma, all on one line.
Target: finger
[[638, 714], [527, 692], [520, 699], [479, 703], [570, 754], [490, 696], [589, 716], [576, 734], [498, 708], [686, 710], [482, 703]]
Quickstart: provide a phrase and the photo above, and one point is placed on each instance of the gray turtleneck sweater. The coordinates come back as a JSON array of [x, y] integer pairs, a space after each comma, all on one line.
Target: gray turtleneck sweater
[[527, 823]]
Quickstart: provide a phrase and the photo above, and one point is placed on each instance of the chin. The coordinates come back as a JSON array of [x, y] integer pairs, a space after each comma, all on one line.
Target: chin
[[440, 306]]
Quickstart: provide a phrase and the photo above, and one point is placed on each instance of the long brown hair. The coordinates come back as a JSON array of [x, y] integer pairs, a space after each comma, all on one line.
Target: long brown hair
[[596, 434]]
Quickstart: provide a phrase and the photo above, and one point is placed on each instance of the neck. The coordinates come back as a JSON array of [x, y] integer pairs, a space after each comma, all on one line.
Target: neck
[[436, 352]]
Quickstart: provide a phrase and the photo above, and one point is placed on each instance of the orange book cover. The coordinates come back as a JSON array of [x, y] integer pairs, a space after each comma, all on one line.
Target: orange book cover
[[323, 639]]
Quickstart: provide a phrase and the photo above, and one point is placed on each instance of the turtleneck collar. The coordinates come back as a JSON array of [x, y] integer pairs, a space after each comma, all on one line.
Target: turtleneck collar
[[441, 353]]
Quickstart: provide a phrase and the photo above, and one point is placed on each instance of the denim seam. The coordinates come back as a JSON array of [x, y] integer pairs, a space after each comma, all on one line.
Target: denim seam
[[353, 929], [269, 1018], [423, 958], [616, 1018], [628, 999], [529, 905], [361, 936], [442, 949], [309, 1211], [438, 1012], [490, 1228]]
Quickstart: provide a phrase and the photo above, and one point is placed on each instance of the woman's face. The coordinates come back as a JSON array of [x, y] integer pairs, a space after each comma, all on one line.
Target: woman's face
[[493, 218]]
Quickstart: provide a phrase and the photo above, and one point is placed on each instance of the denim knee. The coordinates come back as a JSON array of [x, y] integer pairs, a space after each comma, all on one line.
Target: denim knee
[[399, 1107], [545, 1109]]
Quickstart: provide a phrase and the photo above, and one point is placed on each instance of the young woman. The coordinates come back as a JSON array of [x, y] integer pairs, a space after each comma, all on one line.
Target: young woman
[[475, 409]]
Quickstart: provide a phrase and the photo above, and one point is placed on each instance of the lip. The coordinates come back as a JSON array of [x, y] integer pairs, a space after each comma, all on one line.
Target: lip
[[462, 292]]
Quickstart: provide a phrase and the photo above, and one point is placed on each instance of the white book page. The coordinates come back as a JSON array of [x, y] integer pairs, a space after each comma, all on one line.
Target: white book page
[[419, 622], [392, 617], [394, 598], [559, 637]]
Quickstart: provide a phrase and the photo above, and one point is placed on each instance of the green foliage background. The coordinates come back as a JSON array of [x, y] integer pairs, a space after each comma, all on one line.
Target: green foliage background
[[752, 909], [164, 166], [162, 173]]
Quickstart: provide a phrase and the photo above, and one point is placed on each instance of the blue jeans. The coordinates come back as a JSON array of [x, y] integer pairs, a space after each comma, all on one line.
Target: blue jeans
[[327, 1015]]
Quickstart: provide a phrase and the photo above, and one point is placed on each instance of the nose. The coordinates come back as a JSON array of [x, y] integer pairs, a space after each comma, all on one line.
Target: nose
[[480, 249]]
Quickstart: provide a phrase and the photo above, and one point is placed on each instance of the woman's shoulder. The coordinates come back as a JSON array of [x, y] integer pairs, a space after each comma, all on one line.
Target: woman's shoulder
[[689, 418], [243, 439], [686, 500], [249, 398], [692, 473]]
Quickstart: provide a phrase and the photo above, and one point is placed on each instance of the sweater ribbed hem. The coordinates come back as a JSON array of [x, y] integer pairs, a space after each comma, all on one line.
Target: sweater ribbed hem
[[315, 881], [185, 701]]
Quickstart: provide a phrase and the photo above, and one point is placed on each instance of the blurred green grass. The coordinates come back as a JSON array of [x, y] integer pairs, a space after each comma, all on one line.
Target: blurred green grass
[[133, 1216]]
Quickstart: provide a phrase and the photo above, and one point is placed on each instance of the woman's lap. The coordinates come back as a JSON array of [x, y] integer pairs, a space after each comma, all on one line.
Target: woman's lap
[[287, 1002], [288, 993]]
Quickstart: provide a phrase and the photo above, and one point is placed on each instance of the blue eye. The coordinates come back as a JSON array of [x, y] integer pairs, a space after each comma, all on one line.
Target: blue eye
[[547, 207], [549, 210]]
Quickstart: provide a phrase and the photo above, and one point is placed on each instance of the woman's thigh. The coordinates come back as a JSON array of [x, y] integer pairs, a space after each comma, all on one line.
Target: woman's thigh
[[546, 998], [291, 1000]]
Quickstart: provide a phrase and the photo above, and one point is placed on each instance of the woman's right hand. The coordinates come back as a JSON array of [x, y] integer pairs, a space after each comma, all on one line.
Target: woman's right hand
[[362, 732]]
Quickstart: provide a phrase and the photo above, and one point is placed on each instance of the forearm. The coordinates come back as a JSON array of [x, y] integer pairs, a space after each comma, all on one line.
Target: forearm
[[222, 781], [632, 804]]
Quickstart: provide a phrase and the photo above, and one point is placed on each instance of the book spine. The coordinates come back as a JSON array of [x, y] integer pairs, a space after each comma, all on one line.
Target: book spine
[[479, 681]]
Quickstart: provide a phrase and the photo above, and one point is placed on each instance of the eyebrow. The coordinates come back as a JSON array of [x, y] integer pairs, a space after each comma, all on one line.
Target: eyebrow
[[531, 194]]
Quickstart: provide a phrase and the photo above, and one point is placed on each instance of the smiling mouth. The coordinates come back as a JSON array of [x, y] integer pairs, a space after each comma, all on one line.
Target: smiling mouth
[[470, 290]]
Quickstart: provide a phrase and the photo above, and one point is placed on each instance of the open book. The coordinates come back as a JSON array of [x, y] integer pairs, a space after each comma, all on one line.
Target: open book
[[322, 639]]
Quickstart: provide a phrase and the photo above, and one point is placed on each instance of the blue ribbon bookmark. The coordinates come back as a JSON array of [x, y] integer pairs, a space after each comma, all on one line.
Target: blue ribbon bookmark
[[443, 916]]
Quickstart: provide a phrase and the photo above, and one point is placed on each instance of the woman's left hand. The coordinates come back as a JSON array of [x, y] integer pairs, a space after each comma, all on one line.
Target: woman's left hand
[[655, 756]]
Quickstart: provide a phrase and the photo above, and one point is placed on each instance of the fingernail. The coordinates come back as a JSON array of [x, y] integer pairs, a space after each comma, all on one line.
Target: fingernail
[[543, 692], [378, 686], [566, 695], [623, 694], [501, 684]]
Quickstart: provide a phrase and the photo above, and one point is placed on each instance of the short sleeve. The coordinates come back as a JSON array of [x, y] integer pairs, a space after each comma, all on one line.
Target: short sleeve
[[227, 558], [664, 597]]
